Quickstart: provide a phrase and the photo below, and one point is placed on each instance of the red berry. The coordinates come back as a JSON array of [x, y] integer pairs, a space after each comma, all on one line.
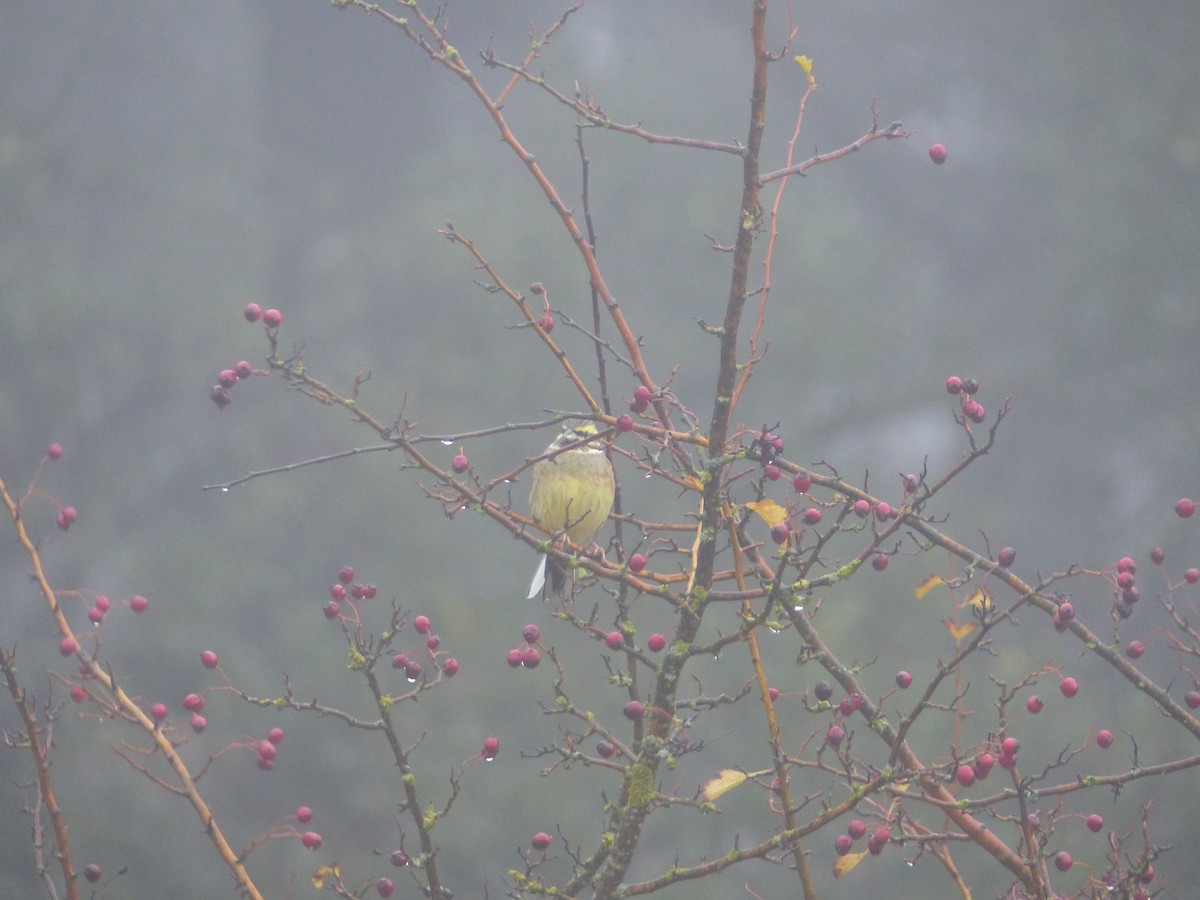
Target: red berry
[[338, 592], [1069, 687], [412, 670], [1125, 580], [879, 562], [68, 646], [54, 451], [862, 508], [1104, 739], [954, 385], [138, 603], [514, 657], [1095, 822], [227, 378], [984, 763], [95, 615], [1191, 576], [938, 154], [266, 750], [881, 837], [531, 657], [400, 660], [842, 844], [780, 533], [637, 562], [208, 659], [546, 323], [1192, 699], [346, 574], [1009, 746], [272, 318], [199, 723], [1148, 875], [399, 858], [835, 735], [331, 609], [883, 511], [772, 471], [625, 423], [460, 463], [605, 749], [656, 642], [812, 515], [450, 667], [421, 624], [1035, 704], [1126, 564], [541, 841], [1006, 557], [78, 693], [903, 679], [304, 814], [193, 703], [634, 710], [1157, 555], [531, 633], [243, 369], [103, 603], [773, 693], [802, 483], [641, 395], [252, 312], [1062, 860], [1184, 508], [856, 829], [275, 735], [491, 747], [614, 640], [1066, 611], [311, 840], [92, 872], [159, 711], [433, 642], [384, 887], [965, 775], [1135, 649]]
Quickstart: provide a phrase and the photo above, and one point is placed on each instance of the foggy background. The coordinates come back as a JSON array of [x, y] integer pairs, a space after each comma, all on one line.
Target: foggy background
[[161, 165]]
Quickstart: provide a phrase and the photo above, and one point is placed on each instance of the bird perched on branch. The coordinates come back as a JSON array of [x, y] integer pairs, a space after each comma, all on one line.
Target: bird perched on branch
[[572, 495]]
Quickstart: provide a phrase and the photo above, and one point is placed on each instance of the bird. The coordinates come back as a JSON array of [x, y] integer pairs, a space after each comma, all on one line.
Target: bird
[[572, 495]]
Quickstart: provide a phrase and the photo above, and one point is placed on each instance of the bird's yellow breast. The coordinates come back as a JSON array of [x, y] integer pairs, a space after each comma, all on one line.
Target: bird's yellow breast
[[573, 493]]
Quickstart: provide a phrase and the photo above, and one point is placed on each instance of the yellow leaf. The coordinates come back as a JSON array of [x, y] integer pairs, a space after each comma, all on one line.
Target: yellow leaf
[[320, 876], [959, 629], [806, 64], [724, 782], [770, 511], [981, 600], [928, 585], [843, 864]]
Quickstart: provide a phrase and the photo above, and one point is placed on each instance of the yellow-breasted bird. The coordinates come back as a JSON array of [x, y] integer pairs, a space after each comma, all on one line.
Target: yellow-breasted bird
[[572, 494]]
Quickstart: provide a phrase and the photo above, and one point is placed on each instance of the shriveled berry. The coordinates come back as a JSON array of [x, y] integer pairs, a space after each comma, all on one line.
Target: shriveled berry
[[546, 323], [1066, 611], [537, 288], [656, 642], [938, 154]]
